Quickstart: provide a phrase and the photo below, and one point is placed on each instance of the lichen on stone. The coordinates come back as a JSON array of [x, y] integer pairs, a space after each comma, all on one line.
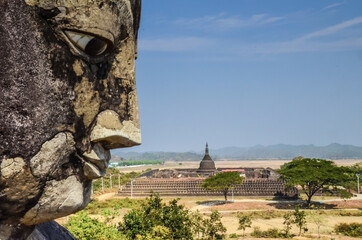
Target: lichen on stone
[[87, 101], [11, 167], [53, 154]]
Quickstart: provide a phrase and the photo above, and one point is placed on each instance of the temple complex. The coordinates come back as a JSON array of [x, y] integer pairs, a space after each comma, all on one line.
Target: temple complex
[[187, 181]]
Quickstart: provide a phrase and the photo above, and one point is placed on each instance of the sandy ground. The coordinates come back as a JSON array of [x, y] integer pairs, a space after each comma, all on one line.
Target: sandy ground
[[326, 229], [230, 164], [105, 196]]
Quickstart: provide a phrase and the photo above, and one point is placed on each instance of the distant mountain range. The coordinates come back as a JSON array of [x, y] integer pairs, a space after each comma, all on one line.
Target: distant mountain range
[[165, 156], [280, 151]]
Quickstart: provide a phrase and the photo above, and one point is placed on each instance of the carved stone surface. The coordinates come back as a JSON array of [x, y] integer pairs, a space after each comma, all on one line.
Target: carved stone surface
[[52, 155], [58, 199], [68, 96], [50, 230]]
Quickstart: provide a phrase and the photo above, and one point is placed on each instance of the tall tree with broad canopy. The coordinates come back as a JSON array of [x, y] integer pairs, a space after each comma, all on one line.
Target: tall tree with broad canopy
[[351, 183], [223, 182], [311, 175]]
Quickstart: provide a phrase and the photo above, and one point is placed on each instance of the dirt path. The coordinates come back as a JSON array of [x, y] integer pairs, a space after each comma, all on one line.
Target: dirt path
[[105, 196]]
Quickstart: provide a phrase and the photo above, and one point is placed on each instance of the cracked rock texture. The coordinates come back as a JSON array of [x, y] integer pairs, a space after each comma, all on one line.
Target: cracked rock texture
[[62, 107], [58, 199], [52, 155], [11, 167]]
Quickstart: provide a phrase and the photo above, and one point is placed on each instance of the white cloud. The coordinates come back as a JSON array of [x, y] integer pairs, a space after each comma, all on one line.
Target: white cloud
[[333, 5], [217, 48], [223, 48], [332, 29], [298, 46], [303, 44], [222, 22]]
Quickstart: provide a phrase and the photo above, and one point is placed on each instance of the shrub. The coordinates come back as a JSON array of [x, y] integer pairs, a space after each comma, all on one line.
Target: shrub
[[351, 229], [197, 224], [267, 214], [300, 219], [270, 233], [214, 229], [155, 218], [350, 213], [84, 227], [233, 235], [244, 222], [288, 221]]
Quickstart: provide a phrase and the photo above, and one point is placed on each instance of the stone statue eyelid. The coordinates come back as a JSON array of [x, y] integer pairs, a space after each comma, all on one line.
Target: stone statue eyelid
[[87, 44]]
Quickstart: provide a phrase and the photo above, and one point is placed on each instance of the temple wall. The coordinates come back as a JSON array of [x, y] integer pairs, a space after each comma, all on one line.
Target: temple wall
[[192, 187]]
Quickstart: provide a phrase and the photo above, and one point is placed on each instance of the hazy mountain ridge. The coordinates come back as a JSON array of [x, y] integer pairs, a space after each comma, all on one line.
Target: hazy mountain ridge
[[165, 156], [283, 151], [279, 151]]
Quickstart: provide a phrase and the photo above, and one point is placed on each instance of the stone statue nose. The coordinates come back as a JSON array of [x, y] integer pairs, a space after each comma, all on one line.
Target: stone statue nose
[[112, 133]]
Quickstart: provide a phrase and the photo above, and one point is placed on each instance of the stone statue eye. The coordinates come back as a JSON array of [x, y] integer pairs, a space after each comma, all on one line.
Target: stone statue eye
[[88, 43]]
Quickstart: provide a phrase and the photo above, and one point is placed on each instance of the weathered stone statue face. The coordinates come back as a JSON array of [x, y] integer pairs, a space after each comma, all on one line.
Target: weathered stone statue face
[[68, 95]]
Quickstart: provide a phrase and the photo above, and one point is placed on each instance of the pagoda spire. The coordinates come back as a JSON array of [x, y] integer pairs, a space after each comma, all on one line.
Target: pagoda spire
[[207, 164]]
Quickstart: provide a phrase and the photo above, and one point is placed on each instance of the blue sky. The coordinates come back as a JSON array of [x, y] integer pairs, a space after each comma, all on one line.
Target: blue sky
[[246, 72]]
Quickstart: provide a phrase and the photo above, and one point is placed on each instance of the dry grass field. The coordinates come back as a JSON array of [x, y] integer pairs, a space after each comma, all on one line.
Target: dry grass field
[[326, 229], [264, 206]]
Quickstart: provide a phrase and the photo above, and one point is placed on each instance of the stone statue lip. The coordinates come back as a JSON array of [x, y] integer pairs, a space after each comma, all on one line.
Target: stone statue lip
[[95, 162]]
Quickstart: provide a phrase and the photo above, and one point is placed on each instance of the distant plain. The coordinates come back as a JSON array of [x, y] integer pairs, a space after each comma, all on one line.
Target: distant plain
[[225, 163]]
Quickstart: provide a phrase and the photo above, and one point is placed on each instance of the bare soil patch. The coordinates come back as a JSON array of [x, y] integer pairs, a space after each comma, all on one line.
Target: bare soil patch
[[105, 196], [349, 204]]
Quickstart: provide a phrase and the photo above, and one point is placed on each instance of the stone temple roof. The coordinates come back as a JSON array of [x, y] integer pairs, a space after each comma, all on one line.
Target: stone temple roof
[[207, 164]]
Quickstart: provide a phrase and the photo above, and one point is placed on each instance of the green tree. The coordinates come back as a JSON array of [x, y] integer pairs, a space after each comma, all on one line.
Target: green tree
[[288, 221], [197, 226], [311, 175], [156, 217], [300, 219], [351, 182], [223, 182], [156, 233], [134, 224], [214, 229], [244, 222], [317, 219]]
